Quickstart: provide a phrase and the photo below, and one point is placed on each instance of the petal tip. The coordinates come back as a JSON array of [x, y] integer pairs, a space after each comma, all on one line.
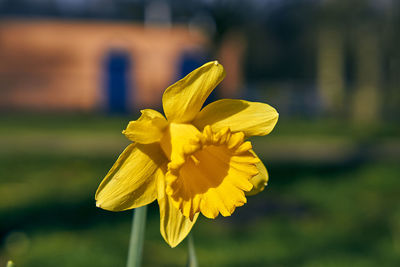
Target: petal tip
[[172, 244]]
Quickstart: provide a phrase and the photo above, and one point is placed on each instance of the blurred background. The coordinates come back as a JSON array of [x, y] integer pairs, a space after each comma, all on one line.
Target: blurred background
[[73, 73]]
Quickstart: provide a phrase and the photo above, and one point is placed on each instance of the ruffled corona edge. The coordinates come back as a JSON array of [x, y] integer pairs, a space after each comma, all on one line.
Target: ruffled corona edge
[[212, 174]]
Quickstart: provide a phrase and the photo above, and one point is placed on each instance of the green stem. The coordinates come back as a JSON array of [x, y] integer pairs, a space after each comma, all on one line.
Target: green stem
[[192, 262], [137, 237]]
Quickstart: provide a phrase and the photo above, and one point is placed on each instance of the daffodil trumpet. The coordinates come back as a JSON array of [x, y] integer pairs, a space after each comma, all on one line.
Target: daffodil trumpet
[[192, 160]]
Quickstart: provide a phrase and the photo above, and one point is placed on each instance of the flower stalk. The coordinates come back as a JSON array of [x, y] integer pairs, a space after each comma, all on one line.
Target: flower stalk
[[137, 237], [192, 261]]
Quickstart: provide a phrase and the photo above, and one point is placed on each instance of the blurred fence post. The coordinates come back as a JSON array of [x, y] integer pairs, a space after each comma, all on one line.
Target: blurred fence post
[[330, 69], [366, 98]]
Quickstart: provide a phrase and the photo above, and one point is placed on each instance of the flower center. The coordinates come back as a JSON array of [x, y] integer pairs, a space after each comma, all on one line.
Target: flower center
[[208, 172]]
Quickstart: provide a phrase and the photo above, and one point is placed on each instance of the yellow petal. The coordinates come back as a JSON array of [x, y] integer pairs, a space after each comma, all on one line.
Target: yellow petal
[[148, 128], [184, 99], [131, 183], [260, 180], [174, 227], [252, 118]]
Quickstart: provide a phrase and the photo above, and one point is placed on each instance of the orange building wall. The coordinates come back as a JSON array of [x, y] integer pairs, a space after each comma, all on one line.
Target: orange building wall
[[58, 65]]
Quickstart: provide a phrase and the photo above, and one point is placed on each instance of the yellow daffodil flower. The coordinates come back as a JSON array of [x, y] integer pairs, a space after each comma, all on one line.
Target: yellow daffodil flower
[[194, 160]]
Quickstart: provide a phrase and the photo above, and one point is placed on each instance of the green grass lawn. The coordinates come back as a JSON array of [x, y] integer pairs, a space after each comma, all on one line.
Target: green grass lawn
[[313, 213]]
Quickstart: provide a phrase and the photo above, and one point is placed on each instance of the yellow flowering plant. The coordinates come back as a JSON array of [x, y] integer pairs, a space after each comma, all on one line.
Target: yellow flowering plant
[[193, 160]]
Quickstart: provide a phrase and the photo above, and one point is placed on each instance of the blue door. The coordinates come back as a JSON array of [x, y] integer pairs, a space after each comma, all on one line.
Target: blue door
[[117, 65]]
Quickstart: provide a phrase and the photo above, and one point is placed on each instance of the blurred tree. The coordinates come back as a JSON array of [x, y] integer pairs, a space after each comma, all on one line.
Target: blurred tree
[[390, 46], [366, 34]]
